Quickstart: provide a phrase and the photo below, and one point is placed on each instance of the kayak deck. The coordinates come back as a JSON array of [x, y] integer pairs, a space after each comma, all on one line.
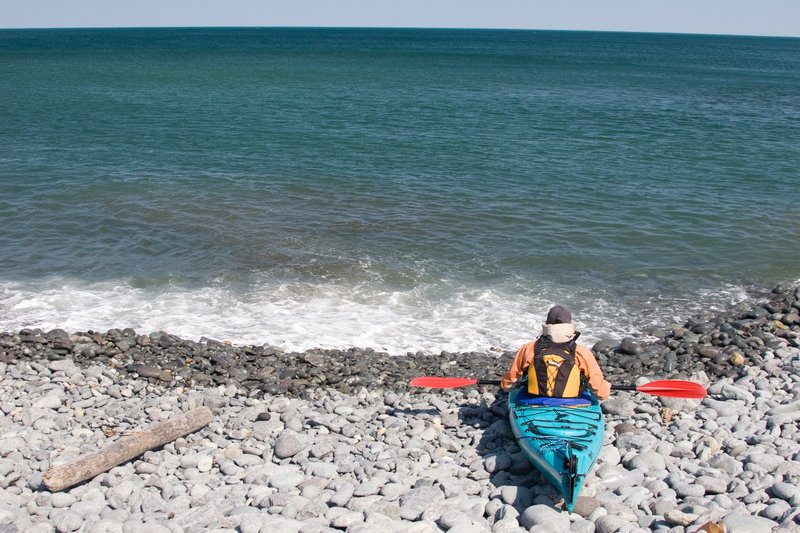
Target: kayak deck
[[562, 442]]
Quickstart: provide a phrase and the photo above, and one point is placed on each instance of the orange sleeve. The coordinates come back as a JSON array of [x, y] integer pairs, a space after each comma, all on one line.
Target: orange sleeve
[[592, 371], [518, 367]]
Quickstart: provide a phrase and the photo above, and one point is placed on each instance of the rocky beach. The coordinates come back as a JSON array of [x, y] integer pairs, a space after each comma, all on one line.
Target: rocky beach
[[327, 440]]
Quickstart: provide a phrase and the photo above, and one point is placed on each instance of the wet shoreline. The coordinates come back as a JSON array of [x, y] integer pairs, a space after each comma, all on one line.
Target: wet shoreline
[[720, 345]]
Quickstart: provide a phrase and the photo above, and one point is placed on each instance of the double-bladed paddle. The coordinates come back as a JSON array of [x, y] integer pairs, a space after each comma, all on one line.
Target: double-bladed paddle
[[673, 388]]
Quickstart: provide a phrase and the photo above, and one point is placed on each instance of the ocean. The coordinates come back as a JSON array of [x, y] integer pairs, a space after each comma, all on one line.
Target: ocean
[[400, 189]]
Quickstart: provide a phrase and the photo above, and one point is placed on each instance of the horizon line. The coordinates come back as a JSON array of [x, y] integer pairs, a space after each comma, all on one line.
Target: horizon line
[[464, 28]]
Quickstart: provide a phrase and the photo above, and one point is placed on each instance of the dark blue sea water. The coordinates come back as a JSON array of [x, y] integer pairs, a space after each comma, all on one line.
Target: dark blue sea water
[[398, 189]]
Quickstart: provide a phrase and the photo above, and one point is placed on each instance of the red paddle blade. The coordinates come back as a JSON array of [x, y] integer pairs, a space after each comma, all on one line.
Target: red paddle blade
[[442, 383], [674, 388]]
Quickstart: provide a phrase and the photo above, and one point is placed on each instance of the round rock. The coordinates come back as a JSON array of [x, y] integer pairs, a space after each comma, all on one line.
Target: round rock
[[288, 444]]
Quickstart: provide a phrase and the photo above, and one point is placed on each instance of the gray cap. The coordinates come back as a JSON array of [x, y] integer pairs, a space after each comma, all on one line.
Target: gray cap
[[559, 315]]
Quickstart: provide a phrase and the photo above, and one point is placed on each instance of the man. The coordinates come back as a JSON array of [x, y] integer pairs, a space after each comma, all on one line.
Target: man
[[555, 363]]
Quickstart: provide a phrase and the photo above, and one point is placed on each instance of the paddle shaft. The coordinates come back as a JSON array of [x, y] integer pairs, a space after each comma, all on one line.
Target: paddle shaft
[[670, 388], [497, 382]]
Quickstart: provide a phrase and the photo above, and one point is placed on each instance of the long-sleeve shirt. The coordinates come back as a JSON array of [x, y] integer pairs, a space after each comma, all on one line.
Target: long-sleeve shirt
[[584, 358]]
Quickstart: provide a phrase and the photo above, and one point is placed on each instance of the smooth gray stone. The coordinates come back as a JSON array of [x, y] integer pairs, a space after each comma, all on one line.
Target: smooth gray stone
[[63, 499], [48, 402], [638, 440], [546, 516], [250, 523], [313, 509], [288, 444], [343, 518], [496, 462], [89, 509], [776, 511], [725, 408], [768, 462], [582, 526], [621, 407], [736, 522], [452, 518], [323, 470], [415, 501], [727, 464], [343, 491], [286, 480], [648, 462], [66, 520], [520, 497], [713, 484], [367, 488], [610, 524], [685, 490], [785, 491], [198, 518]]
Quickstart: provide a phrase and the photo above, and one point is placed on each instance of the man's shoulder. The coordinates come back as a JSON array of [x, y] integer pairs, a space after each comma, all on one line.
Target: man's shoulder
[[585, 350], [527, 347]]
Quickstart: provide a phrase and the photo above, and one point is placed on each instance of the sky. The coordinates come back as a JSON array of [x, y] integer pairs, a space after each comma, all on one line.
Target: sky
[[734, 17]]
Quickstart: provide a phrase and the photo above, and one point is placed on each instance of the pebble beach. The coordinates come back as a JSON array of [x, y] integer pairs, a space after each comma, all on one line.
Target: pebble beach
[[327, 440]]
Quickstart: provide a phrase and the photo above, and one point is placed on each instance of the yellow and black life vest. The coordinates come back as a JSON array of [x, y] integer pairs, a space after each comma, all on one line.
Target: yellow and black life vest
[[554, 371]]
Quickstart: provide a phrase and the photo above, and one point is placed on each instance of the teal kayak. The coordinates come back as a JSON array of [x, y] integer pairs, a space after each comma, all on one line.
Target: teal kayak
[[561, 437]]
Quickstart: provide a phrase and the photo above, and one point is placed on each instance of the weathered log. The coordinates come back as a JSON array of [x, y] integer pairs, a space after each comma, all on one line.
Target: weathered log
[[63, 476]]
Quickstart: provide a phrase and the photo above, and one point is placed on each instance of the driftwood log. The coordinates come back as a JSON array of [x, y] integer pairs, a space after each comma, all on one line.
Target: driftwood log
[[63, 476]]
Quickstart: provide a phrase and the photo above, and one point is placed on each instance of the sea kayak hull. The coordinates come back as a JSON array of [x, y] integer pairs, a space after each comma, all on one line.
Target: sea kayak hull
[[562, 442]]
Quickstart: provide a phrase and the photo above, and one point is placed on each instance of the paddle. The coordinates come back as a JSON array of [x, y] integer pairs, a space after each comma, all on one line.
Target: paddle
[[673, 388]]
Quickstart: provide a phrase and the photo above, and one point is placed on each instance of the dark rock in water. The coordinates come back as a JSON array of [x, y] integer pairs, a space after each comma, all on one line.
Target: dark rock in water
[[670, 362], [56, 334], [64, 344], [786, 288], [672, 344], [791, 318], [757, 312], [702, 328], [238, 373], [270, 388], [166, 340], [32, 336], [123, 346], [115, 335], [604, 346], [630, 346], [148, 371], [743, 325], [709, 352]]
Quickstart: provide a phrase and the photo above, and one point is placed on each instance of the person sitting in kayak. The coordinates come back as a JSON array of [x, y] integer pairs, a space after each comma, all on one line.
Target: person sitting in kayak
[[555, 362]]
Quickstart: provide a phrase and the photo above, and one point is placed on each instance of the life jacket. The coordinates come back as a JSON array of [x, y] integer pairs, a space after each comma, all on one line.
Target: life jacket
[[554, 371]]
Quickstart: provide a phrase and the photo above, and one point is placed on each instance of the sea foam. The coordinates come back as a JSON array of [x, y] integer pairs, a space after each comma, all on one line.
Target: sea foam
[[300, 316]]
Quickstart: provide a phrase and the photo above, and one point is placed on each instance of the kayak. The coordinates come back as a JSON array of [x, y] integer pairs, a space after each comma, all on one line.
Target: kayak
[[561, 437]]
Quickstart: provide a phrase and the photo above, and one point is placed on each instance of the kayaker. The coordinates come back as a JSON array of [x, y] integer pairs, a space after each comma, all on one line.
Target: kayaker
[[560, 361]]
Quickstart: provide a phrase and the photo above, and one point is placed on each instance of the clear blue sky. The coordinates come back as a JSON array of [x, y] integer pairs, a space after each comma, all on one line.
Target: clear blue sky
[[740, 17]]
